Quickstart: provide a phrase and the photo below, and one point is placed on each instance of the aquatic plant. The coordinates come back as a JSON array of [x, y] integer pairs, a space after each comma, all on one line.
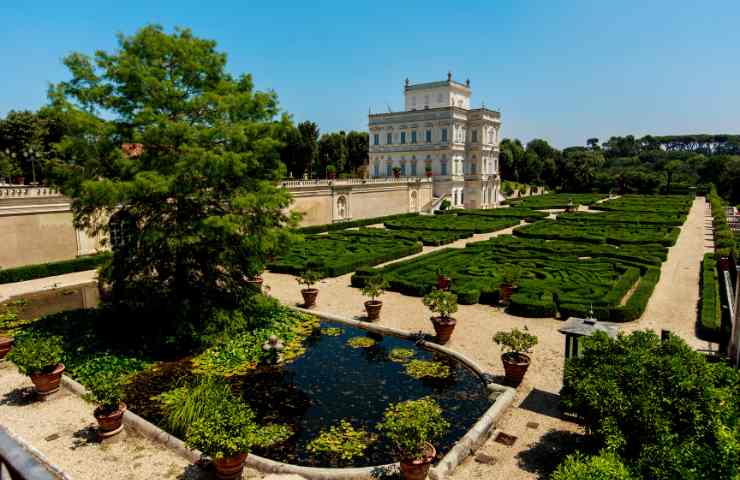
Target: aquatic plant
[[361, 342], [401, 354], [427, 369], [341, 441], [331, 331]]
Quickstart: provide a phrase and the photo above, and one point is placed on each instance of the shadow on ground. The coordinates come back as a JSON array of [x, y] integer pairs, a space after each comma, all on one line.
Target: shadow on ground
[[20, 397], [544, 456]]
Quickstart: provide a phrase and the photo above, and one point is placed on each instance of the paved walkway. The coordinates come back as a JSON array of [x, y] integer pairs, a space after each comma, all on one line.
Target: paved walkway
[[543, 435]]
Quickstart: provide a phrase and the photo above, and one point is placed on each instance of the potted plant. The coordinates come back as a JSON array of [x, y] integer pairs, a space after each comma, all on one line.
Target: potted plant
[[309, 278], [331, 172], [227, 433], [106, 390], [411, 426], [443, 303], [254, 277], [443, 281], [397, 172], [40, 358], [509, 278], [374, 287], [428, 170], [515, 345]]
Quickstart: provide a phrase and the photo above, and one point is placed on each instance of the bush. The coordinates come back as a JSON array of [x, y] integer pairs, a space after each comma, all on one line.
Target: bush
[[441, 302], [556, 200], [228, 427], [330, 227], [710, 318], [106, 389], [605, 466], [724, 240], [43, 270], [661, 406], [449, 222], [411, 424], [35, 353], [515, 342]]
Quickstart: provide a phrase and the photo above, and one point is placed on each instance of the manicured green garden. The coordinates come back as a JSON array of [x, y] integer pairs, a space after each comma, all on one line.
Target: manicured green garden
[[664, 218], [614, 233], [41, 270], [647, 203], [342, 252], [554, 277], [526, 214], [556, 200], [467, 223], [710, 317]]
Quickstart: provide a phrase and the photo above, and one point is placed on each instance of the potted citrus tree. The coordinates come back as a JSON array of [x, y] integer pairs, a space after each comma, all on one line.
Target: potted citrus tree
[[106, 390], [515, 345], [411, 426], [509, 278], [308, 279], [428, 170], [228, 432], [40, 358], [397, 172], [374, 287], [443, 280], [443, 304], [331, 172]]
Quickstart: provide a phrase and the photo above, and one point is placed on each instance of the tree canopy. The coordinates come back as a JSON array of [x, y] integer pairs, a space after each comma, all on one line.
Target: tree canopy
[[185, 157]]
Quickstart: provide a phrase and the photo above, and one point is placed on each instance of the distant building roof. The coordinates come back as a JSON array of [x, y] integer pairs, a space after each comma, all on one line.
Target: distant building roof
[[132, 149]]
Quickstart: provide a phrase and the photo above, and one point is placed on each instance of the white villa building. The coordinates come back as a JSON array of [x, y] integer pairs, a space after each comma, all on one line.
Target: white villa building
[[439, 135]]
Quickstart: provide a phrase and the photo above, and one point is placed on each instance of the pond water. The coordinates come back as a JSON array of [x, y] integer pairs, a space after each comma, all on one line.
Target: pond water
[[333, 381], [330, 382]]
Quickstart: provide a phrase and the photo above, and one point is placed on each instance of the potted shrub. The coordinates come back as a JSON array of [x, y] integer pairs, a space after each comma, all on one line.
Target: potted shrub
[[309, 278], [40, 358], [509, 278], [106, 390], [443, 281], [254, 277], [428, 170], [6, 344], [227, 434], [374, 287], [443, 303], [411, 427], [331, 172], [397, 172], [515, 345]]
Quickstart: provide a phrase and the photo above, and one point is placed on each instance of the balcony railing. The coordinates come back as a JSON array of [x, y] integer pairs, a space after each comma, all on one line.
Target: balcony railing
[[27, 191], [352, 181]]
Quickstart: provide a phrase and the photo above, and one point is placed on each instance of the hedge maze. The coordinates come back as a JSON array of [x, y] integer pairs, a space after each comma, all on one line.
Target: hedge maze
[[556, 200], [342, 252], [455, 223], [525, 214], [608, 262]]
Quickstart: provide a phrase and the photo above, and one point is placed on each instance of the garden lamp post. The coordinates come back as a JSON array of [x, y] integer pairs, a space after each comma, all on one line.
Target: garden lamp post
[[31, 156]]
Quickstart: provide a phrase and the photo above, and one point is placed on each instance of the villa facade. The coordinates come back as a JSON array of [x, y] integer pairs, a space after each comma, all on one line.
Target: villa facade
[[440, 136]]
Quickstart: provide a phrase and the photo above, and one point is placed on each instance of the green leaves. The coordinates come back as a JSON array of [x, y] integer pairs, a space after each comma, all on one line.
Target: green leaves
[[341, 441], [410, 425], [659, 405], [35, 353], [515, 341], [442, 302]]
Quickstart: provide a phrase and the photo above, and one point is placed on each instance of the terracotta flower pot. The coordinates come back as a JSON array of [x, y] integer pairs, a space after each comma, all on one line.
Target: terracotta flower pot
[[6, 344], [443, 283], [444, 328], [418, 469], [110, 423], [19, 180], [230, 468], [515, 366], [48, 383], [309, 297], [373, 309], [506, 290], [256, 282]]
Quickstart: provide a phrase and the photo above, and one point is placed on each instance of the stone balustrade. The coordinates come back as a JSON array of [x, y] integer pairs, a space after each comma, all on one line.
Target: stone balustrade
[[27, 191], [352, 181]]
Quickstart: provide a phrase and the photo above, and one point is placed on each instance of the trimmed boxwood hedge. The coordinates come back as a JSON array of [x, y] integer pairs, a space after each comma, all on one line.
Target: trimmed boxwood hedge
[[556, 200], [468, 223], [525, 214], [42, 270], [710, 318], [338, 253], [647, 204], [641, 218], [332, 227], [568, 278], [613, 233], [724, 239]]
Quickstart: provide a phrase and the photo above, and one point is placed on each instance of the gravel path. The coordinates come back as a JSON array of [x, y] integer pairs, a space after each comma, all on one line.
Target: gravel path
[[543, 435]]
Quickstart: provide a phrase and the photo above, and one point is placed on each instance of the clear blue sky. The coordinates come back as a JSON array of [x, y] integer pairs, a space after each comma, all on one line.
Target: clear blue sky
[[563, 71]]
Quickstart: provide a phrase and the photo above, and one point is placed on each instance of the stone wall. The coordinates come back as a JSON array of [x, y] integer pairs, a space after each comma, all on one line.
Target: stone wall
[[36, 223]]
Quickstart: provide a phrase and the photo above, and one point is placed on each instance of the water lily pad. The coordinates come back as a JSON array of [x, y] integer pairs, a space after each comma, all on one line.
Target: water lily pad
[[427, 369], [361, 342], [331, 331], [401, 355]]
